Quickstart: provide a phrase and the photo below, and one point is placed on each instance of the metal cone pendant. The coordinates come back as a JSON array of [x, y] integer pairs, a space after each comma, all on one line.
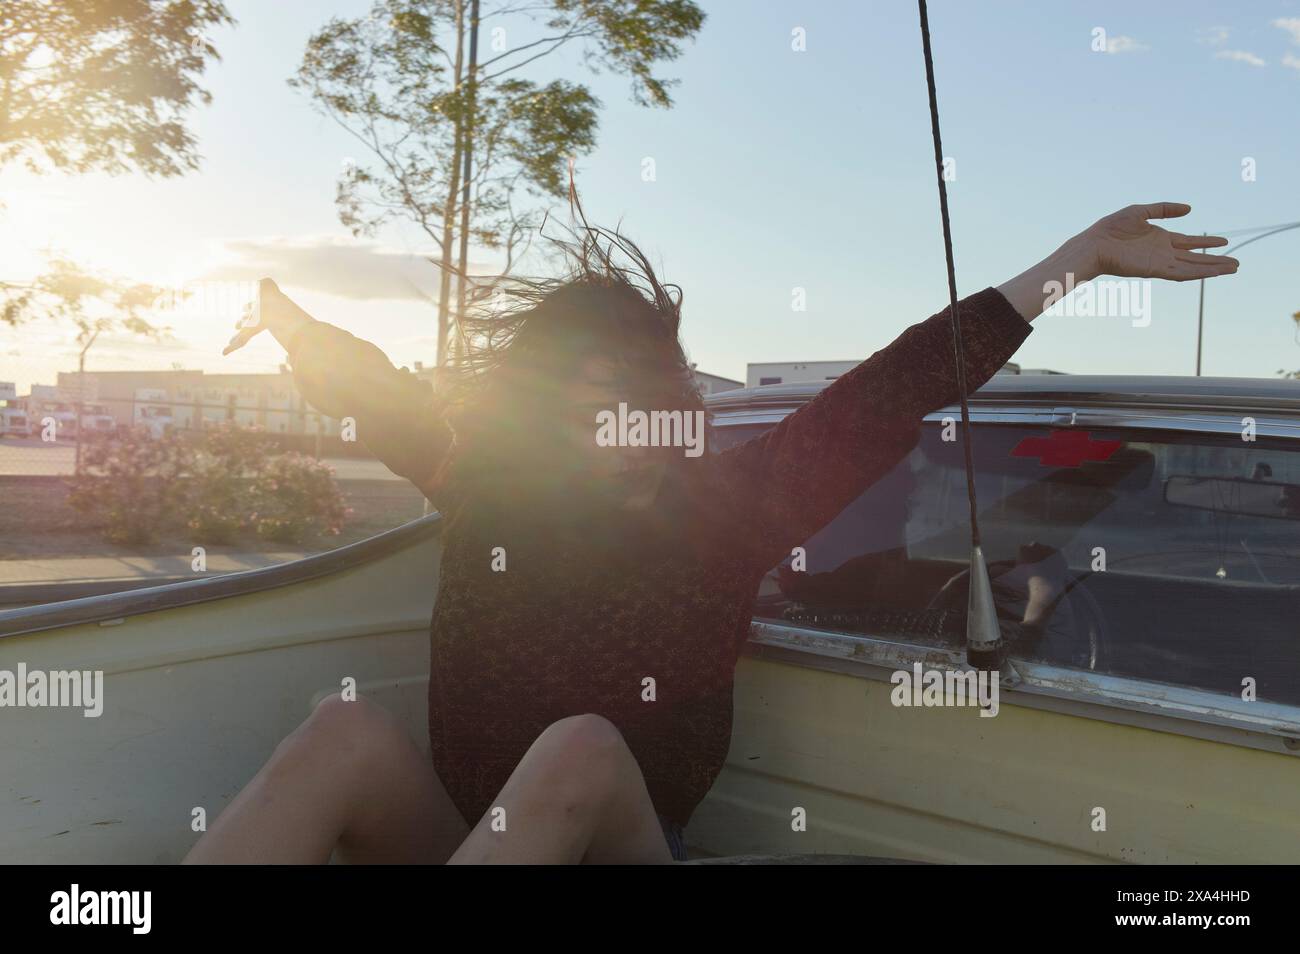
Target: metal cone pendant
[[984, 647]]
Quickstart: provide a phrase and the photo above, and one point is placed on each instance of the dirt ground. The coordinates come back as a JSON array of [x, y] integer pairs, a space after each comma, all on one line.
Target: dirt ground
[[36, 521]]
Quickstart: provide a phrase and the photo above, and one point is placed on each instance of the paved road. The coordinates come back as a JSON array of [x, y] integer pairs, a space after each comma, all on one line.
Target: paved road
[[35, 457]]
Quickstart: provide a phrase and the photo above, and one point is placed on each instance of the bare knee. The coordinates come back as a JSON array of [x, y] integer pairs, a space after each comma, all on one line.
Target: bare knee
[[352, 732], [337, 715], [582, 758], [582, 736]]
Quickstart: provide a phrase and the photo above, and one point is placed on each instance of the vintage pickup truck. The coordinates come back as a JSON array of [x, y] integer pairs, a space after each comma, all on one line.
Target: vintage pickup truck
[[1152, 715]]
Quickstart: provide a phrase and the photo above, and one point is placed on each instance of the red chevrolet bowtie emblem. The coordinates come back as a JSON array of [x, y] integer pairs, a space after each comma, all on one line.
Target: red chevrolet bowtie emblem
[[1065, 448]]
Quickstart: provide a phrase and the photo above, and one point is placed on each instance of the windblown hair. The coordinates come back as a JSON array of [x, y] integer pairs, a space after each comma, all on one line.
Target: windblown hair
[[524, 340]]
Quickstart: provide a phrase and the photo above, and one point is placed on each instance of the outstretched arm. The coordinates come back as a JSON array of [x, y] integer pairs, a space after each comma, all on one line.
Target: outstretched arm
[[792, 480], [1125, 245], [397, 415]]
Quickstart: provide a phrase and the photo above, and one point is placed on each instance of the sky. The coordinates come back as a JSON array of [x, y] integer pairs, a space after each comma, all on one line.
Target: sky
[[777, 169]]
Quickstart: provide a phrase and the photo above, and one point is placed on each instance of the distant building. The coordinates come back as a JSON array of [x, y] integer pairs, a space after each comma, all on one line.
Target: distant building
[[712, 383], [186, 400], [786, 372]]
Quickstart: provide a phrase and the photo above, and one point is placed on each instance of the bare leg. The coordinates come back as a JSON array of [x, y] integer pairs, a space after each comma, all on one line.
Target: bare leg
[[576, 796], [1040, 574], [1043, 593], [349, 777]]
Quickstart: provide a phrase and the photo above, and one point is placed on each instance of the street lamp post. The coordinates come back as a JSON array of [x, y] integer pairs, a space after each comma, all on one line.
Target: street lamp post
[[1200, 310]]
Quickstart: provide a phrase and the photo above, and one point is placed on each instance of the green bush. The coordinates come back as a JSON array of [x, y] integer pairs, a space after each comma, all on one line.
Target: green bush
[[226, 485], [296, 496], [226, 465], [132, 485]]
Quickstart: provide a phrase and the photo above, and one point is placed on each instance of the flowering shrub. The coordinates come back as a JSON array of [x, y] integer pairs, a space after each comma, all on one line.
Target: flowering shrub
[[226, 467], [131, 485], [296, 496], [137, 487]]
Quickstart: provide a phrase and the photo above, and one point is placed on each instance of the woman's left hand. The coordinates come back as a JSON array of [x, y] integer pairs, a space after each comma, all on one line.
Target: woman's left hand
[[1123, 244], [1126, 245]]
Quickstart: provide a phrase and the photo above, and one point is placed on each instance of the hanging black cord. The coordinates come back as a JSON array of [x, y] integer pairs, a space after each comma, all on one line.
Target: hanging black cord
[[952, 279]]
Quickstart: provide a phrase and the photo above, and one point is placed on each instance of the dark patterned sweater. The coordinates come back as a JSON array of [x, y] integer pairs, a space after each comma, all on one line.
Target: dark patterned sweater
[[579, 621]]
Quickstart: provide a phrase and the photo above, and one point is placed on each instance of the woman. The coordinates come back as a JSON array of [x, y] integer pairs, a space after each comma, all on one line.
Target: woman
[[594, 599]]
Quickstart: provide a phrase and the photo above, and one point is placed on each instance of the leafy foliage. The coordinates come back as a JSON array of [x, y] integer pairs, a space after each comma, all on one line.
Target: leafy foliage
[[138, 488], [297, 497], [223, 469], [103, 84], [631, 37], [132, 487], [98, 85], [95, 304], [396, 80]]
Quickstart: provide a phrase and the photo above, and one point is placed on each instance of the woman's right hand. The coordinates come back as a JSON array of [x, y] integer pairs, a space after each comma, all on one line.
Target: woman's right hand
[[273, 311]]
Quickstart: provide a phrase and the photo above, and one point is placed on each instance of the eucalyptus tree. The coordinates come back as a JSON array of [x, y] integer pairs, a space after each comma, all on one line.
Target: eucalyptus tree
[[425, 107]]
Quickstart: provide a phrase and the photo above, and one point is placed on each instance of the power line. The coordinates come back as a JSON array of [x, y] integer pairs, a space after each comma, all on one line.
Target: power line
[[1258, 228]]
